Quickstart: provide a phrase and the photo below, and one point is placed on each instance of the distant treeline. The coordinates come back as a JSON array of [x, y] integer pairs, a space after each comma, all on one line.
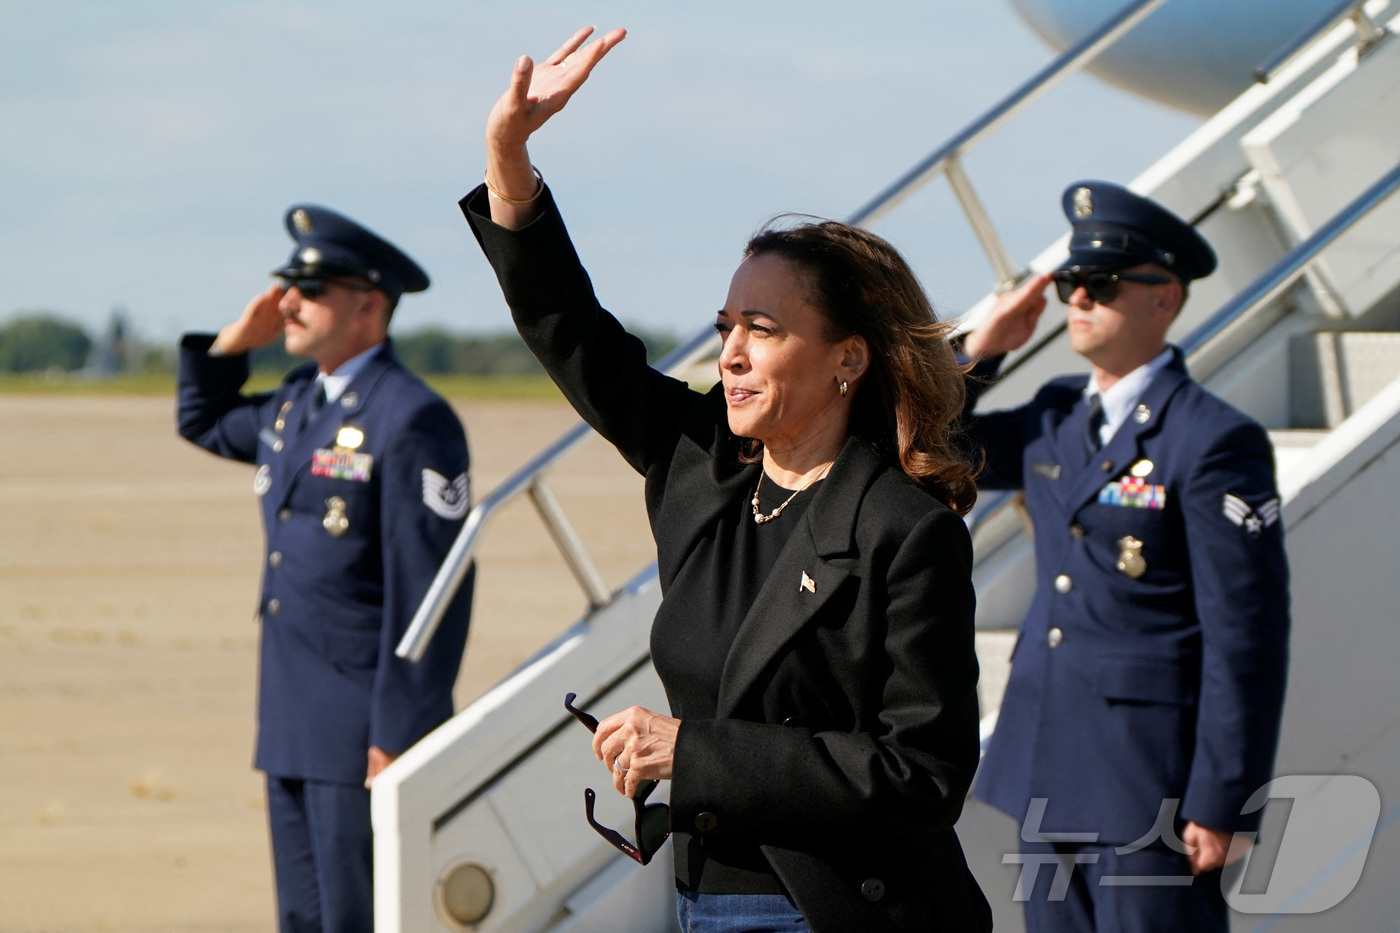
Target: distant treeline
[[44, 342], [35, 343]]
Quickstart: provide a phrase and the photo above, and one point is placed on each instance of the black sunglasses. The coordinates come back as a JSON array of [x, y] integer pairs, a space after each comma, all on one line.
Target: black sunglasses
[[1101, 286], [653, 820], [311, 287]]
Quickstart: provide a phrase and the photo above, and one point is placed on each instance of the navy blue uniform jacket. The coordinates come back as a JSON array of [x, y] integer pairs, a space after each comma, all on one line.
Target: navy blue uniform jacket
[[334, 606], [1127, 690], [845, 734]]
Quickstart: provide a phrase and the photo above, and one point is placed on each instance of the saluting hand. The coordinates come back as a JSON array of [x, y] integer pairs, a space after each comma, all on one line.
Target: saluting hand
[[1011, 322], [260, 324], [637, 745]]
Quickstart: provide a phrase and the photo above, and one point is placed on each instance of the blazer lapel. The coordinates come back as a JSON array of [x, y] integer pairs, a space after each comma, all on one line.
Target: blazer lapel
[[704, 478], [1124, 448], [1066, 440], [805, 575]]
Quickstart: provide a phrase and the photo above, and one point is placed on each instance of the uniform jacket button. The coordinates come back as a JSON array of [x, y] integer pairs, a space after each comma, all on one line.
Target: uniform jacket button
[[1063, 584], [274, 559], [283, 514], [872, 888], [706, 822], [274, 606], [1054, 637], [1076, 530], [796, 722]]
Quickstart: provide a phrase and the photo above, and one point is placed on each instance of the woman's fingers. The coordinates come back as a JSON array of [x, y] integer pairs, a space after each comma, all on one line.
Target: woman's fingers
[[595, 51], [573, 42], [520, 81], [636, 745]]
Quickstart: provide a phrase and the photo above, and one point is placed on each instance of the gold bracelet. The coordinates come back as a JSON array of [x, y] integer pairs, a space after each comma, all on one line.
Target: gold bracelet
[[539, 189]]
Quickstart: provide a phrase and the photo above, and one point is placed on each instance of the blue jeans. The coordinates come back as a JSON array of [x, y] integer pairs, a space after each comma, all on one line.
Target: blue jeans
[[738, 913]]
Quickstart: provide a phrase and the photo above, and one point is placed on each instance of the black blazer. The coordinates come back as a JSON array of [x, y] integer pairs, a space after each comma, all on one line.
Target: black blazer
[[846, 735]]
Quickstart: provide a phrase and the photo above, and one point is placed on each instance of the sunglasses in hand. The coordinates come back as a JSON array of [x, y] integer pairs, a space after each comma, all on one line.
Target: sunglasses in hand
[[1101, 286], [653, 821]]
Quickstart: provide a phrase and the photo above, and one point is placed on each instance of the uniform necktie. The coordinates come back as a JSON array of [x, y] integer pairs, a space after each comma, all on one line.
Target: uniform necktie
[[317, 400], [1093, 425]]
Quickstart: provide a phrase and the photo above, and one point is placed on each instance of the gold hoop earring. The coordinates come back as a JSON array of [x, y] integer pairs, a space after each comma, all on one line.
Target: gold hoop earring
[[843, 387]]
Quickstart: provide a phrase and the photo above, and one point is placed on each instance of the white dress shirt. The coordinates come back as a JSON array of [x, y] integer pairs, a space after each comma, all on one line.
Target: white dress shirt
[[1120, 400], [337, 382]]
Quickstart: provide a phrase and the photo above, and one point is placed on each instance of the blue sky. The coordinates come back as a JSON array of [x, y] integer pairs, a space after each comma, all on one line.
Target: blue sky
[[150, 147]]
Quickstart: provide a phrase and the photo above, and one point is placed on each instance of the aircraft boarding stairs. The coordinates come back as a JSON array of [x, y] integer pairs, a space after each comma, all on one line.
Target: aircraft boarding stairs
[[480, 826]]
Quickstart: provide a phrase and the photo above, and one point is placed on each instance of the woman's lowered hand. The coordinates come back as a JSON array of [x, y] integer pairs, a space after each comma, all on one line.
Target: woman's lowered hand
[[637, 745]]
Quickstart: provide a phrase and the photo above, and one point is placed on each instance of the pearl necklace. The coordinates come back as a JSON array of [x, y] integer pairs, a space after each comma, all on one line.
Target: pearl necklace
[[759, 517]]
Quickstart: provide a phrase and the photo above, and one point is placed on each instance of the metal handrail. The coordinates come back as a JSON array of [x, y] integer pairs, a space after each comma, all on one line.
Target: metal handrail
[[1272, 282], [1292, 264], [947, 157], [1367, 35], [526, 480]]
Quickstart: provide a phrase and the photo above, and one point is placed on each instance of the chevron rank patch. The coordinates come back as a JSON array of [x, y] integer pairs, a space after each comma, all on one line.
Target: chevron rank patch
[[1134, 492], [342, 464], [447, 498], [1252, 520]]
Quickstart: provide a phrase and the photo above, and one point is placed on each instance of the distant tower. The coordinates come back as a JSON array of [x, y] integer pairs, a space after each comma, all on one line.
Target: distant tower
[[109, 352], [1195, 55]]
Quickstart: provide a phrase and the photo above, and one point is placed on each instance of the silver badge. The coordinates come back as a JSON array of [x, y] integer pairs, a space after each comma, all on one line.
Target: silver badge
[[335, 521], [1083, 203], [262, 480], [302, 221], [1141, 414], [1130, 557], [349, 400]]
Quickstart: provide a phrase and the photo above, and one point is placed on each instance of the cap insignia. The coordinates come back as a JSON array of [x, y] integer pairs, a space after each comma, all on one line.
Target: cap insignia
[[301, 220], [311, 256], [1083, 202]]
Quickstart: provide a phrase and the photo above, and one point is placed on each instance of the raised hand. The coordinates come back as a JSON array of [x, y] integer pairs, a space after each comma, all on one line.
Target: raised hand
[[260, 324], [536, 93], [1011, 322]]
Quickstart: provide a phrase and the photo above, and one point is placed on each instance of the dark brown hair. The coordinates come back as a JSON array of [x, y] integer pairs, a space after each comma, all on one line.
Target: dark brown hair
[[909, 401]]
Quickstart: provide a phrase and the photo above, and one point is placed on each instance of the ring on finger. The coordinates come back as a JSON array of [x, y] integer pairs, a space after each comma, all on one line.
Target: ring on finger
[[617, 766]]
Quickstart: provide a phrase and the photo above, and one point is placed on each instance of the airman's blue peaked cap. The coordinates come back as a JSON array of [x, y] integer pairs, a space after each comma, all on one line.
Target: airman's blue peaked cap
[[331, 244], [1114, 228]]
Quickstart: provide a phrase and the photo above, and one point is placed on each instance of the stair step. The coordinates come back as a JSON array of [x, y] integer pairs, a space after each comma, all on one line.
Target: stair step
[[1292, 445]]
